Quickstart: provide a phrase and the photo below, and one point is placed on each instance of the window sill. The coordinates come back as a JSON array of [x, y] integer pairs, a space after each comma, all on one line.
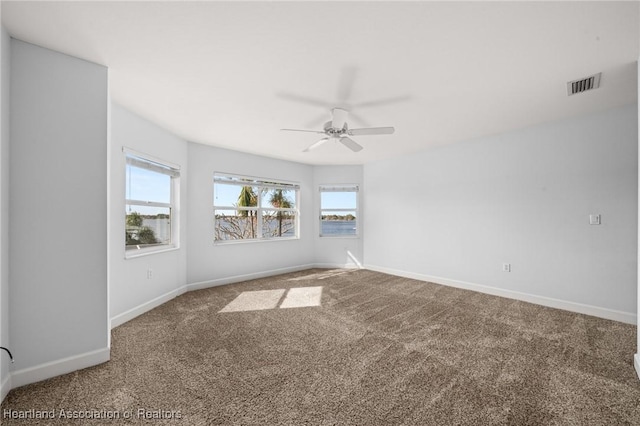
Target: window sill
[[132, 254], [264, 240]]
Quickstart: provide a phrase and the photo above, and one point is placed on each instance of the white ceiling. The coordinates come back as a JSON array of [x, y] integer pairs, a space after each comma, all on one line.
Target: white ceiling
[[231, 74]]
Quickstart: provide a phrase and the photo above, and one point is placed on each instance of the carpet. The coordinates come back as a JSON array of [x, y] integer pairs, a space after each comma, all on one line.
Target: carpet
[[349, 347]]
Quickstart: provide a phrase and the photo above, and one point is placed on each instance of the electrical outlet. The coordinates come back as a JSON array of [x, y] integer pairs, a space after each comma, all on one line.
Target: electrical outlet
[[506, 267], [149, 274]]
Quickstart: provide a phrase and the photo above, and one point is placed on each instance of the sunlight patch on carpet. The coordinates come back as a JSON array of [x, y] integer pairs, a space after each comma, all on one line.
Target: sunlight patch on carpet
[[322, 275], [302, 297], [299, 297], [255, 300]]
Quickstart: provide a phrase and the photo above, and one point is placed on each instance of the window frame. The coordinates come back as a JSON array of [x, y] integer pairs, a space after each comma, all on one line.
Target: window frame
[[339, 188], [151, 163], [259, 183]]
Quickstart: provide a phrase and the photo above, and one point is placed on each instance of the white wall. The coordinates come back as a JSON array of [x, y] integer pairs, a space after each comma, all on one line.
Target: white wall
[[4, 210], [636, 358], [341, 251], [58, 210], [130, 289], [455, 214], [210, 263]]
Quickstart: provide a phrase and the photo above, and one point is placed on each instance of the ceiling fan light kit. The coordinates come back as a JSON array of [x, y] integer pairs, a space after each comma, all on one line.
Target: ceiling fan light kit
[[338, 130]]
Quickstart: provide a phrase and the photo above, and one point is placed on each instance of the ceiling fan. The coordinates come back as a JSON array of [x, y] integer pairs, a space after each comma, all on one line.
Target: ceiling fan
[[338, 130]]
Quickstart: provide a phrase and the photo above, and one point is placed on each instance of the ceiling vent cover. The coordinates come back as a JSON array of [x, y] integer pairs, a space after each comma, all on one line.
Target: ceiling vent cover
[[584, 84]]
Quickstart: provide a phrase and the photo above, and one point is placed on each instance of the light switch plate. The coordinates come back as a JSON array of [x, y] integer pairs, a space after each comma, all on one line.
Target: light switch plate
[[594, 219]]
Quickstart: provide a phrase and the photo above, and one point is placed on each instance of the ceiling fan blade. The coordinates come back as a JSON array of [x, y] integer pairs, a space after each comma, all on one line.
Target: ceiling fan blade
[[299, 130], [371, 131], [384, 101], [357, 117], [345, 85], [316, 122], [315, 145], [304, 99], [339, 117], [350, 143]]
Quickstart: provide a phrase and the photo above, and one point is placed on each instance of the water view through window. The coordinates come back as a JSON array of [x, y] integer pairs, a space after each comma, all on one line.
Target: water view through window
[[149, 203], [338, 211], [254, 209]]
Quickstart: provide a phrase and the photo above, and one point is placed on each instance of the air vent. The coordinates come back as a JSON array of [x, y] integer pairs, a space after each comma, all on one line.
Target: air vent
[[584, 84]]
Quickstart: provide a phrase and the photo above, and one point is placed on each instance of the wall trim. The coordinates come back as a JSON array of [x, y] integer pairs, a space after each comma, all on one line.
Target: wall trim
[[337, 266], [164, 298], [245, 277], [5, 387], [59, 367], [146, 307], [89, 359], [611, 314]]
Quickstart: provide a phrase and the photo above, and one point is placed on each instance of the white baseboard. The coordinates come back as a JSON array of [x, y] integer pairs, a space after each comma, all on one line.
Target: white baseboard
[[164, 298], [337, 266], [611, 314], [5, 387], [89, 359], [239, 278], [59, 367], [145, 307], [636, 364]]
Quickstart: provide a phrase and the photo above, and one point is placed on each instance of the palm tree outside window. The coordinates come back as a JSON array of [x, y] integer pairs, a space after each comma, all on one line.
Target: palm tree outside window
[[254, 209]]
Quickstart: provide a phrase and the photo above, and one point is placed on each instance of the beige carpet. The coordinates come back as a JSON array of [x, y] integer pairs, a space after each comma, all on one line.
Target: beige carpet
[[379, 350]]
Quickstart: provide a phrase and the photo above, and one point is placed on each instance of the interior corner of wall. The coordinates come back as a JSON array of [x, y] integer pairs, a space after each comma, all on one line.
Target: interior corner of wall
[[5, 387], [59, 367]]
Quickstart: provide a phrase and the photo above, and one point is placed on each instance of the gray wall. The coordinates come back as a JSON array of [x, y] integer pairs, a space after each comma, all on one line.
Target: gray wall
[[4, 208], [460, 211], [132, 293], [58, 207], [208, 262], [129, 285]]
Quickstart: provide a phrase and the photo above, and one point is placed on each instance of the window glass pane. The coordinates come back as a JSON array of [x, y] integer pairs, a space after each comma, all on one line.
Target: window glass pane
[[146, 185], [338, 223], [235, 225], [261, 208], [147, 226], [149, 199], [279, 198], [338, 200], [277, 224], [234, 195]]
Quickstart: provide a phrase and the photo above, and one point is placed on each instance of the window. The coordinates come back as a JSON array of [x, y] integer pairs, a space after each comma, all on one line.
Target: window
[[254, 209], [338, 210], [151, 188]]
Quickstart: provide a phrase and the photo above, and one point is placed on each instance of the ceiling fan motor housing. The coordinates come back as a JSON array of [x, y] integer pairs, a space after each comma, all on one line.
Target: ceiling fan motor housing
[[338, 130], [335, 132]]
